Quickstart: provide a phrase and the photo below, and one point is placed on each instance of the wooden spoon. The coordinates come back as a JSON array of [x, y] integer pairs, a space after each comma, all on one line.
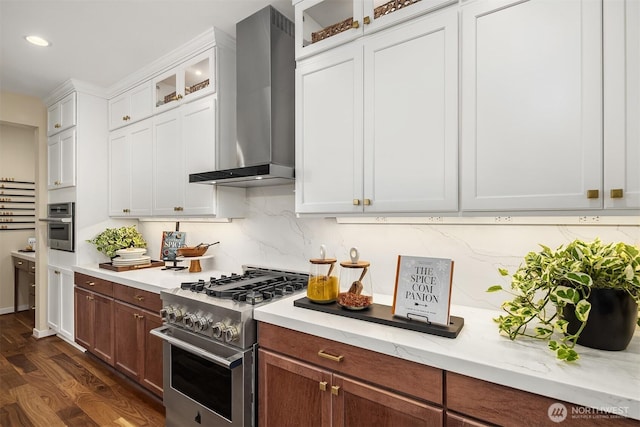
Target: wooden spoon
[[357, 287]]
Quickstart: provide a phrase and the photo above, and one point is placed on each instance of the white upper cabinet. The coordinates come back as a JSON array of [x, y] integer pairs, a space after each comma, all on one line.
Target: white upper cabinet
[[61, 115], [61, 160], [183, 143], [323, 24], [391, 99], [531, 105], [621, 104], [134, 105], [131, 170], [193, 78]]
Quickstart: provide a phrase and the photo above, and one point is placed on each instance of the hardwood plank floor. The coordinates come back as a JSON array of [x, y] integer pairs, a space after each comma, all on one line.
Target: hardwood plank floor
[[49, 383]]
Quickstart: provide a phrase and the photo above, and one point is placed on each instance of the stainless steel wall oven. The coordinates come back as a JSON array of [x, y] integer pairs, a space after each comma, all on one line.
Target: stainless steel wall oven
[[60, 226]]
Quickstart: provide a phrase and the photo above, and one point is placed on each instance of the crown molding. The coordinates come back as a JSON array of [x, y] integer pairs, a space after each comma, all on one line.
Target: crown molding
[[73, 85]]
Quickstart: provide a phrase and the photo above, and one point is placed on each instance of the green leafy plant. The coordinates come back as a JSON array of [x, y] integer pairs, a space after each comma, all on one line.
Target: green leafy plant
[[549, 280], [114, 239]]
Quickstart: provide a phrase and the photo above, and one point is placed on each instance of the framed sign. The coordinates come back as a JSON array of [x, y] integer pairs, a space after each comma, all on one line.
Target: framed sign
[[423, 289]]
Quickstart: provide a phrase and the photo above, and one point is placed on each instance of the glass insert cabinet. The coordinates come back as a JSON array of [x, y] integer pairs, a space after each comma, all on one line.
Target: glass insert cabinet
[[192, 79], [322, 24]]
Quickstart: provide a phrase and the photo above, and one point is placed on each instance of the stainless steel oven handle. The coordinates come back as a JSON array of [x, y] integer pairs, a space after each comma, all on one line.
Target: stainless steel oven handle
[[63, 220], [230, 362]]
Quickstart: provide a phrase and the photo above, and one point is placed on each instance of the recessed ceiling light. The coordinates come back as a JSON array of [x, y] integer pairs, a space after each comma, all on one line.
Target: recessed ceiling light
[[38, 41]]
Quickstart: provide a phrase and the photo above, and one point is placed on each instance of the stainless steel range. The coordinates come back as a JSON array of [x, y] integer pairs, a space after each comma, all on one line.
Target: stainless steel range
[[210, 343]]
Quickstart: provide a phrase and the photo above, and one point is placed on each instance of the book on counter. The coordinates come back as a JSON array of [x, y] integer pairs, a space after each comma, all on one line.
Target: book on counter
[[423, 289], [171, 241]]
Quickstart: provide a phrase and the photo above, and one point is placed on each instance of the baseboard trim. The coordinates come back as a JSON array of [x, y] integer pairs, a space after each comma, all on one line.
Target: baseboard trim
[[9, 310], [43, 333]]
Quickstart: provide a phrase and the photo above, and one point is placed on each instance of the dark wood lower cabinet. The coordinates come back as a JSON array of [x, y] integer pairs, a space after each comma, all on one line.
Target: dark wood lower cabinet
[[94, 323], [293, 393], [113, 321], [312, 381], [473, 399], [138, 354]]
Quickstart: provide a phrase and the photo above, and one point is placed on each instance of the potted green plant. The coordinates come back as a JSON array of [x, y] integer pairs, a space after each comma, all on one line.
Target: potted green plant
[[554, 292], [114, 239]]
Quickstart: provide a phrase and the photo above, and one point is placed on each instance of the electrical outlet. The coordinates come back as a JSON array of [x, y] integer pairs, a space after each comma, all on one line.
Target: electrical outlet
[[503, 220], [589, 219]]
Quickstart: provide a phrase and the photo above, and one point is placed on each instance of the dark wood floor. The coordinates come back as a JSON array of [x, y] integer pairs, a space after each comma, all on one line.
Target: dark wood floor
[[47, 382]]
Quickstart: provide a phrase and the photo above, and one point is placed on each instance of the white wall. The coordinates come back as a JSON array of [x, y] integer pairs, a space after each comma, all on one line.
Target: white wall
[[272, 236], [28, 111], [17, 161]]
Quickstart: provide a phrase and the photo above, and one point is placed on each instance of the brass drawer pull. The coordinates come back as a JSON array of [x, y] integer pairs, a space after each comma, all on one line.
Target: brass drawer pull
[[139, 297], [335, 389], [616, 193], [138, 316], [90, 283], [321, 353], [593, 194], [323, 386]]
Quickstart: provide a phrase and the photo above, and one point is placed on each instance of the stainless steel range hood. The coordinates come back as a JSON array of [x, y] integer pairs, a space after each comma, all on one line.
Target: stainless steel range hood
[[265, 71]]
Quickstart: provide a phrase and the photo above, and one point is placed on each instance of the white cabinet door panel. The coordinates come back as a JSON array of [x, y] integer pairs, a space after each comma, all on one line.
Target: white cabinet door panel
[[531, 105], [411, 117], [168, 182], [622, 103], [199, 133], [119, 173], [53, 298], [329, 132], [141, 137]]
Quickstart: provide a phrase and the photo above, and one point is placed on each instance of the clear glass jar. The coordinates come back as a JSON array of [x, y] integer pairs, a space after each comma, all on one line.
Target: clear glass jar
[[356, 290], [323, 286]]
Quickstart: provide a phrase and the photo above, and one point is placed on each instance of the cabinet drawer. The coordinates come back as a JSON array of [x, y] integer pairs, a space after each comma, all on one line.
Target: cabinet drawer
[[21, 264], [483, 400], [102, 286], [144, 299], [397, 374]]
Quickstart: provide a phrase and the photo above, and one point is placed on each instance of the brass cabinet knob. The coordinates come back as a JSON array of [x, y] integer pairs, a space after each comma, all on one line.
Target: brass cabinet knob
[[19, 262], [323, 386], [139, 297], [355, 24], [366, 20], [593, 194], [356, 202], [57, 125], [335, 389], [90, 283], [367, 202], [616, 193]]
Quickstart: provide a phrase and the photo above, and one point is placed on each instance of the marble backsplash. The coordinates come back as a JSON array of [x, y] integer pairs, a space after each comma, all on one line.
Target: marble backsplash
[[271, 235]]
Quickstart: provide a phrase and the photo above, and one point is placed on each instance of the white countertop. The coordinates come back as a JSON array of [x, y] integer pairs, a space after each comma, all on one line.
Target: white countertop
[[27, 256], [153, 279], [599, 379]]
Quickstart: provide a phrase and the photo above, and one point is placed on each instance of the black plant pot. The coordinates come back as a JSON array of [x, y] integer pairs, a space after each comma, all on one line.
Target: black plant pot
[[611, 323]]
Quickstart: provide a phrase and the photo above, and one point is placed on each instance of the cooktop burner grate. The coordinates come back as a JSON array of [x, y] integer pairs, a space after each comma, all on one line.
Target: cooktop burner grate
[[252, 287]]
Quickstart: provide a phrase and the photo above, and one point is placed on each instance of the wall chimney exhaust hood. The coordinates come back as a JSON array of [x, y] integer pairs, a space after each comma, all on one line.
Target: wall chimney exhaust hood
[[263, 153]]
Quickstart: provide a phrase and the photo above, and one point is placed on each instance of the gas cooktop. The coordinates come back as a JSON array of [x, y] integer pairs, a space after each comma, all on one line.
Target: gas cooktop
[[254, 286]]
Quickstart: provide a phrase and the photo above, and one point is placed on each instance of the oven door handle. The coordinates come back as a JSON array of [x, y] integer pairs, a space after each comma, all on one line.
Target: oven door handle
[[229, 362], [56, 220]]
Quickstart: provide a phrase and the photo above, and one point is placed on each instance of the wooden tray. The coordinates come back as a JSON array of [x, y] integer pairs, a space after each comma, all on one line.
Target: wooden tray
[[381, 314], [110, 266]]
